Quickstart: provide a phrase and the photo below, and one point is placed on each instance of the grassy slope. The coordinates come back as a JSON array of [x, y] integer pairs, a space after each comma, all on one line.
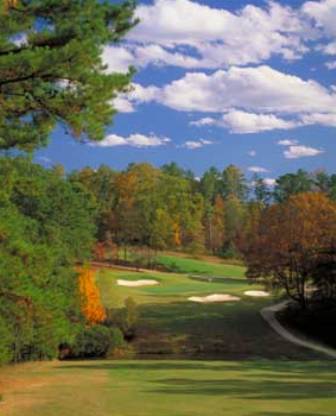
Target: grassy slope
[[170, 388], [214, 267], [170, 324], [180, 388]]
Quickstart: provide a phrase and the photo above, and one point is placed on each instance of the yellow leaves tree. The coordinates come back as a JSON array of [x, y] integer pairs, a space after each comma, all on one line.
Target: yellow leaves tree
[[91, 304]]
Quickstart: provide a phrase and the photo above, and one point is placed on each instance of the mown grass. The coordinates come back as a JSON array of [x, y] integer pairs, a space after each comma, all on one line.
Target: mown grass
[[172, 326], [183, 264], [172, 388], [249, 385]]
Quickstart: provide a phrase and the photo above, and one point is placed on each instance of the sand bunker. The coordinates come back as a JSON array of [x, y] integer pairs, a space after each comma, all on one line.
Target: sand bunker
[[214, 298], [256, 293], [137, 283]]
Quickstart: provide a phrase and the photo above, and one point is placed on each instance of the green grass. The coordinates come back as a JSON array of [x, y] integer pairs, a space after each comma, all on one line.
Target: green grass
[[172, 388], [266, 376], [182, 264], [171, 325]]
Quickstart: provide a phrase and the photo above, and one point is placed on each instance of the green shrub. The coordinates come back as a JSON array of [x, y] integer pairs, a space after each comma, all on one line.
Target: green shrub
[[96, 341], [124, 318]]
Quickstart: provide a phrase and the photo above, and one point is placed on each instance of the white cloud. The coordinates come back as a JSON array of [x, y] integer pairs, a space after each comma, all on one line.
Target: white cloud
[[45, 160], [134, 140], [206, 121], [251, 99], [143, 94], [258, 89], [188, 34], [196, 144], [331, 65], [214, 37], [123, 105], [117, 59], [257, 169], [323, 13], [243, 122], [269, 181], [298, 151], [252, 153], [323, 119], [287, 142], [329, 49]]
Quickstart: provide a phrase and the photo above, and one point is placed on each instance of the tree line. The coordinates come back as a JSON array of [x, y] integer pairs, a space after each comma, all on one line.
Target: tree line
[[285, 234], [169, 208]]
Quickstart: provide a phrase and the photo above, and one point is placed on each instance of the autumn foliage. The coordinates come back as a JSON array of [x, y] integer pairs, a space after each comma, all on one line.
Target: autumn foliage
[[7, 4], [293, 241], [92, 306]]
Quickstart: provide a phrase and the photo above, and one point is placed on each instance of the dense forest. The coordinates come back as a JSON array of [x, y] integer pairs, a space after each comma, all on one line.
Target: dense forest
[[170, 209]]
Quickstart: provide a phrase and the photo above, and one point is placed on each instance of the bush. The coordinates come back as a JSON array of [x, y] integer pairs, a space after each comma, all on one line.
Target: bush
[[125, 318], [96, 342]]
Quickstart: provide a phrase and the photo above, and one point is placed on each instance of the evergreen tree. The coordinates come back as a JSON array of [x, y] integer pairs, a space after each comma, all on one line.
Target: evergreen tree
[[51, 68]]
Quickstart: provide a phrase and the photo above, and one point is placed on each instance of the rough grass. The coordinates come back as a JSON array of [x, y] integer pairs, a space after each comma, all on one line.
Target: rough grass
[[172, 388]]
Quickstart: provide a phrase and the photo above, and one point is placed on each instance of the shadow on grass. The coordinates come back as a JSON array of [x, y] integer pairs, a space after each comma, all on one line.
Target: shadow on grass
[[244, 380], [233, 330], [261, 389], [287, 414], [251, 369]]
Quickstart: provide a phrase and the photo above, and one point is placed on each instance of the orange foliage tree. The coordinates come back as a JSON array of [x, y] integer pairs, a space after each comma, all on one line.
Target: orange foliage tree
[[92, 306], [291, 242]]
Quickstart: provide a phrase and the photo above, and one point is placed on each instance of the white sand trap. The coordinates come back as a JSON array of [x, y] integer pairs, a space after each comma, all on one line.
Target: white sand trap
[[214, 298], [256, 293], [136, 283]]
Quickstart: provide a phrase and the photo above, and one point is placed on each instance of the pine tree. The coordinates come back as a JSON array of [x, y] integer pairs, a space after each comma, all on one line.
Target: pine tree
[[51, 68]]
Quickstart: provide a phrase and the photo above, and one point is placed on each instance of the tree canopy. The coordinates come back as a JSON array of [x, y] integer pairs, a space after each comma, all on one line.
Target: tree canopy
[[51, 69]]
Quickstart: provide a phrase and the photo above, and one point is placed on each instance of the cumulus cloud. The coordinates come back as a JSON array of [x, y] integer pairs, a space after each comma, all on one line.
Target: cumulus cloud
[[243, 122], [251, 99], [323, 119], [257, 169], [287, 142], [298, 151], [260, 89], [252, 153], [117, 59], [123, 105], [331, 65], [269, 181], [215, 37], [134, 140], [189, 34], [243, 99], [323, 13], [196, 144]]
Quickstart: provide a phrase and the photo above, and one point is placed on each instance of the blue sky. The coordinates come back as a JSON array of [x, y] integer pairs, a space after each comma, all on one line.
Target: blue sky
[[220, 82]]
